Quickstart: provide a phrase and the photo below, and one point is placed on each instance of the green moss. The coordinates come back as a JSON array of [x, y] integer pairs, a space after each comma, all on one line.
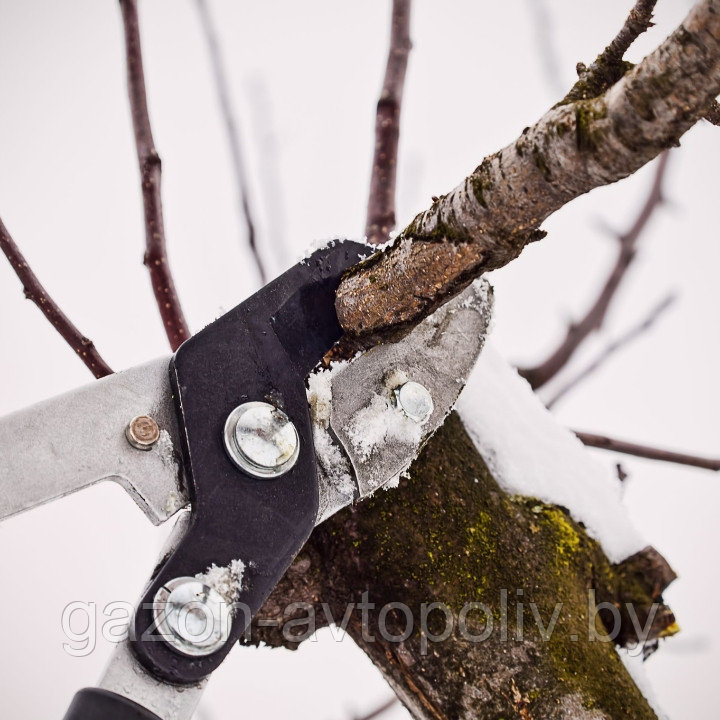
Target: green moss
[[588, 130], [451, 535], [481, 182]]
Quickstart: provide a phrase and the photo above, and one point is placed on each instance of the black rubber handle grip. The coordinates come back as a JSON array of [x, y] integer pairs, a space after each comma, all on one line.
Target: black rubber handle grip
[[96, 704]]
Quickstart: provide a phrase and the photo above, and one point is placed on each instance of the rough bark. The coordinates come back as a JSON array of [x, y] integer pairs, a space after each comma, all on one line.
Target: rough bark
[[449, 534], [487, 220]]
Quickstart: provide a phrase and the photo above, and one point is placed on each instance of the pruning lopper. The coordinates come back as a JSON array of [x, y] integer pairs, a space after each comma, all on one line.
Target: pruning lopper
[[242, 436]]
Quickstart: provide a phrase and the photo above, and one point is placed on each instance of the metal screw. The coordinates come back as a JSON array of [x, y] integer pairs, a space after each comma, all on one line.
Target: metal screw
[[192, 617], [415, 401], [261, 440], [142, 432]]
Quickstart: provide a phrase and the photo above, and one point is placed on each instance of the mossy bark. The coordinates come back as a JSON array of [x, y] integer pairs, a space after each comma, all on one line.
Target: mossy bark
[[450, 535]]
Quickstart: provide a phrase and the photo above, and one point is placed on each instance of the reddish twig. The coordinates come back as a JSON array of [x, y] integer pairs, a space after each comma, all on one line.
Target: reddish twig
[[607, 443], [34, 291], [612, 348], [232, 131], [150, 173], [381, 201], [595, 316]]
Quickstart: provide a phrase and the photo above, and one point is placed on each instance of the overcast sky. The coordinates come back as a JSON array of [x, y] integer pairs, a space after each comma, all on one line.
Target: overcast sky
[[304, 80]]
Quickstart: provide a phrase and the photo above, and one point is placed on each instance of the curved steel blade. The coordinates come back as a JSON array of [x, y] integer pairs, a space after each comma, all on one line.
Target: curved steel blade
[[369, 441]]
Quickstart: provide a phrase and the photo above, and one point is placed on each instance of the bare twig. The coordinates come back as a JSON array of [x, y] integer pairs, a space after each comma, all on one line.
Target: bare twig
[[232, 131], [607, 443], [380, 710], [381, 200], [34, 291], [150, 173], [626, 338], [609, 67], [595, 316]]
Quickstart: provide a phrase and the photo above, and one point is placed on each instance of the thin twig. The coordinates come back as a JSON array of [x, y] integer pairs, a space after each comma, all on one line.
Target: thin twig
[[381, 201], [34, 291], [595, 317], [632, 334], [378, 711], [609, 66], [607, 443], [150, 173], [232, 132]]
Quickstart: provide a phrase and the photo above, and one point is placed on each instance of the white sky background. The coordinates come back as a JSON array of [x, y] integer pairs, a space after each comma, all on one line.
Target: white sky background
[[305, 78]]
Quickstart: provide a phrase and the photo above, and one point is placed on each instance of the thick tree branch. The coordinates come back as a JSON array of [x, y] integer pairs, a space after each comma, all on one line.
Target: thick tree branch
[[155, 258], [493, 214], [34, 291], [645, 451], [381, 201], [450, 536], [595, 316], [233, 134], [627, 337]]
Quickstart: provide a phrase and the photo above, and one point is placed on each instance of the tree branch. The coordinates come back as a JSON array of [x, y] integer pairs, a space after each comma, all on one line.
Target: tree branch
[[609, 66], [155, 258], [612, 348], [493, 214], [381, 201], [449, 538], [595, 316], [603, 442], [233, 134], [34, 291]]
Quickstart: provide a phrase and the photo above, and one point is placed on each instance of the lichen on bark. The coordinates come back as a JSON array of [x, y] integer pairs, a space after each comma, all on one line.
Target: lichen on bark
[[449, 534]]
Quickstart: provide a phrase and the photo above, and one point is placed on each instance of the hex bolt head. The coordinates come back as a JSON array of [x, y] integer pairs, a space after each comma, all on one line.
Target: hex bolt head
[[261, 440], [142, 432], [192, 617], [415, 401]]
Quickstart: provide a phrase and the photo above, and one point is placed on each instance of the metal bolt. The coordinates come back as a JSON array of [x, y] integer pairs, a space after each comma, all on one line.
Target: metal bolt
[[142, 432], [261, 440], [192, 617], [415, 401]]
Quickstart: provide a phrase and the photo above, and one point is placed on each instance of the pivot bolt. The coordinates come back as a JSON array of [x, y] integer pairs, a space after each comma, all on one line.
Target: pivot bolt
[[142, 432], [192, 617], [415, 401], [261, 439]]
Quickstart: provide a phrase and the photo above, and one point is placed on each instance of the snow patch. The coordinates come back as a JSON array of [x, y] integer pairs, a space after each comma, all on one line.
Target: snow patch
[[529, 453], [379, 422], [226, 580], [633, 662], [334, 464]]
